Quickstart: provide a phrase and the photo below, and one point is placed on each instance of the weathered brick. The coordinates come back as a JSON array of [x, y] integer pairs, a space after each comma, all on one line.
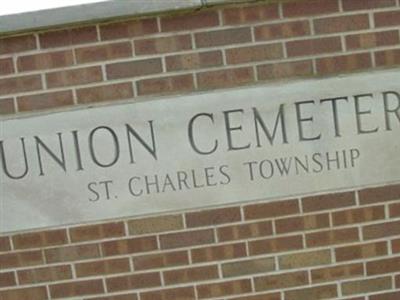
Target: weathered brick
[[15, 44], [6, 66], [244, 231], [379, 194], [169, 294], [285, 70], [223, 37], [31, 293], [186, 239], [271, 210], [328, 201], [103, 52], [358, 215], [225, 78], [21, 259], [196, 60], [366, 286], [361, 251], [7, 279], [341, 24], [102, 93], [68, 37], [22, 84], [394, 210], [190, 21], [161, 260], [78, 288], [281, 281], [344, 63], [337, 273], [47, 60], [387, 18], [136, 281], [250, 266], [155, 224], [381, 230], [128, 29], [396, 246], [6, 108], [306, 259], [133, 68], [386, 296], [282, 30], [332, 237], [250, 14], [315, 293], [96, 232], [125, 246], [72, 253], [220, 252], [213, 217], [102, 267], [193, 274], [45, 101], [166, 85], [254, 53], [74, 77], [303, 223], [350, 5], [278, 244], [160, 45], [372, 39], [313, 46], [383, 266], [311, 7], [46, 274], [223, 288]]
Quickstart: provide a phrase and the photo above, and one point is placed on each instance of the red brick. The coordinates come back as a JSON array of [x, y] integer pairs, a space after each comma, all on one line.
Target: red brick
[[160, 45], [170, 294], [244, 231], [223, 288], [372, 39], [341, 24], [361, 251], [225, 78], [220, 252], [128, 29], [166, 85], [129, 296], [309, 222], [282, 30], [193, 274], [319, 292], [250, 14], [345, 63], [68, 37], [102, 93], [383, 266], [379, 194], [386, 296], [56, 273], [103, 52], [332, 237], [134, 68], [311, 7], [79, 288], [97, 232], [22, 84], [45, 101], [4, 240], [134, 245], [287, 243], [31, 293], [7, 279], [398, 281], [17, 44], [254, 53], [6, 108], [269, 296], [40, 239], [223, 37], [191, 21], [6, 66], [21, 259], [366, 286], [186, 239], [337, 273], [74, 77], [136, 281], [381, 230], [396, 246], [271, 210], [102, 267], [349, 5], [191, 61], [328, 201], [387, 18], [42, 61], [394, 210], [358, 215], [314, 46], [161, 260], [281, 281], [72, 253], [213, 217], [285, 70]]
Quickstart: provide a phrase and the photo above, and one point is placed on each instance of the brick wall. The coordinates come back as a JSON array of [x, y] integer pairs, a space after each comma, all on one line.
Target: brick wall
[[344, 245]]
